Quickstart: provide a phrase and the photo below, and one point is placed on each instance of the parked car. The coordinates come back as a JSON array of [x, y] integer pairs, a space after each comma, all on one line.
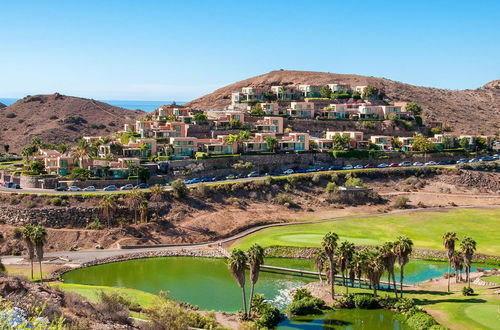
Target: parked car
[[16, 186], [369, 166], [473, 160], [230, 177], [348, 167], [442, 162], [404, 164], [61, 188], [431, 163], [195, 180], [253, 174], [89, 188], [300, 171], [462, 161], [393, 165], [128, 186], [487, 159], [74, 188], [240, 176], [418, 164], [110, 188], [142, 186], [312, 169], [358, 167], [335, 167], [289, 171], [383, 165]]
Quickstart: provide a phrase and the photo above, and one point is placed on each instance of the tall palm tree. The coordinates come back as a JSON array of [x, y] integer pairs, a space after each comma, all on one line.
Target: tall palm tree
[[237, 263], [449, 239], [403, 248], [27, 234], [157, 194], [389, 258], [374, 268], [329, 245], [108, 206], [457, 263], [345, 252], [255, 259], [134, 199], [38, 237], [319, 261], [358, 264], [143, 211], [468, 247]]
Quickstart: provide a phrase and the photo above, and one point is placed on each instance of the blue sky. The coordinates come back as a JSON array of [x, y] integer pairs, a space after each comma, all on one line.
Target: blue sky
[[178, 50]]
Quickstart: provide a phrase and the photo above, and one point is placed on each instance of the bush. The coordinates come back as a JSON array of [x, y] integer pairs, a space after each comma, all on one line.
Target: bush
[[403, 305], [269, 316], [201, 155], [95, 225], [306, 306], [401, 202], [17, 233], [80, 174], [420, 321], [179, 189], [283, 199], [203, 189], [353, 182], [331, 188], [56, 201], [364, 301], [467, 291], [345, 301]]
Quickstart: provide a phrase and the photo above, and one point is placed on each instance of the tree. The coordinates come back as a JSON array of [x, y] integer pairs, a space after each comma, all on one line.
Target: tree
[[255, 259], [271, 142], [107, 205], [37, 143], [325, 92], [447, 142], [481, 143], [157, 194], [345, 253], [371, 92], [468, 247], [329, 245], [235, 123], [243, 136], [403, 248], [340, 141], [457, 263], [133, 200], [357, 265], [179, 189], [449, 239], [37, 167], [200, 118], [38, 237], [143, 173], [319, 261], [143, 211], [413, 108], [63, 148], [389, 258], [27, 152], [257, 111], [374, 268], [80, 173], [27, 234], [421, 143], [464, 143], [237, 263]]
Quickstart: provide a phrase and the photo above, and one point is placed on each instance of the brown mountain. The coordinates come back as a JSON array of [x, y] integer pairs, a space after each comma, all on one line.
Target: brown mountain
[[59, 119], [467, 111]]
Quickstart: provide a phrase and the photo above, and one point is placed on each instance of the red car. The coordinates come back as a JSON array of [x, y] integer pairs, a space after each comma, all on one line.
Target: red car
[[369, 166], [393, 165]]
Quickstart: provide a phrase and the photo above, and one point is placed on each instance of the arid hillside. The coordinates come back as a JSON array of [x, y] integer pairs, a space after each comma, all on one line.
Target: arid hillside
[[59, 119], [467, 111]]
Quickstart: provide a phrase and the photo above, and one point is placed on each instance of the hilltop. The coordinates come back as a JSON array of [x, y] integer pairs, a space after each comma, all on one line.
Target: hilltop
[[58, 119], [467, 111]]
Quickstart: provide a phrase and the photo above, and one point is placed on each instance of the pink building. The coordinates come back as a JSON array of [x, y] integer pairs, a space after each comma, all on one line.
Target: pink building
[[270, 125]]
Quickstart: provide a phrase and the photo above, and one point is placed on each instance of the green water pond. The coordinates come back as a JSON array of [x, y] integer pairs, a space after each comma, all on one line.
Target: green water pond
[[207, 282]]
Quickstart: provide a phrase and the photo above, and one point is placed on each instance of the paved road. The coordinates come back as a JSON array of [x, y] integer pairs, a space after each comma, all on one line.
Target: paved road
[[79, 257]]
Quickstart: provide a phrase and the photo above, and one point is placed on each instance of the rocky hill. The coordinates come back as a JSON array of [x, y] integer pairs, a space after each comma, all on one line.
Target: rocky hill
[[467, 111], [59, 119], [2, 105]]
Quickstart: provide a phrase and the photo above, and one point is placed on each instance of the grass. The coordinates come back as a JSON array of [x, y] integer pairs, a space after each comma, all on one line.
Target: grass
[[25, 271], [424, 228], [492, 279]]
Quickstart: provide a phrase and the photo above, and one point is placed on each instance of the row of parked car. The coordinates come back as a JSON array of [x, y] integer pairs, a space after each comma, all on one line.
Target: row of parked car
[[108, 188], [10, 185]]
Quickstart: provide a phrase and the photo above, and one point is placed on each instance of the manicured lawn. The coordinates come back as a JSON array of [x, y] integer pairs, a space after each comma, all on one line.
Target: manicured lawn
[[424, 228], [492, 279]]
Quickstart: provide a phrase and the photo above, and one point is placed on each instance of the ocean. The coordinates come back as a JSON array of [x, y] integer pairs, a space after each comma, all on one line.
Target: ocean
[[147, 106]]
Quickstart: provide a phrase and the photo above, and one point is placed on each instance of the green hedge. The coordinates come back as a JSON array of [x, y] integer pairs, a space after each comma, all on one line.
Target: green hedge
[[359, 154]]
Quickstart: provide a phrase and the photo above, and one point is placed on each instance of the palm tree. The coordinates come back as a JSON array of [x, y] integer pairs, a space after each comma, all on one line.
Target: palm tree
[[108, 206], [143, 211], [319, 261], [403, 248], [468, 247], [134, 199], [449, 239], [329, 245], [458, 264], [345, 252], [374, 268], [389, 258], [27, 234], [358, 264], [255, 259], [157, 193], [271, 143], [38, 237], [237, 263]]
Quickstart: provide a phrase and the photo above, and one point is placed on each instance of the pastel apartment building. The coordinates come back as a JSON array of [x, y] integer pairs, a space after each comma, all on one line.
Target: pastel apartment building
[[217, 146], [225, 120], [270, 125], [339, 88], [310, 90], [301, 110], [383, 142], [182, 146], [55, 162], [272, 108], [407, 143], [155, 129], [294, 142], [285, 92], [257, 143]]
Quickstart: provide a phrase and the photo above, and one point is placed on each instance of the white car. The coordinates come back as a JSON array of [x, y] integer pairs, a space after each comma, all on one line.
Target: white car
[[289, 171], [431, 163], [74, 188], [89, 188], [418, 164], [383, 165], [358, 167], [127, 187], [348, 167]]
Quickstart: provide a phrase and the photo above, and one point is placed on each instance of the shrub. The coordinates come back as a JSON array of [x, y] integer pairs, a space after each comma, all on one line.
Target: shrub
[[179, 189], [203, 189], [345, 301], [364, 301], [53, 117], [316, 178], [467, 291], [56, 201], [401, 202], [403, 305], [114, 306], [331, 188], [17, 233], [283, 199], [80, 174], [420, 320], [95, 225], [269, 316], [293, 180], [201, 155], [306, 306], [353, 182]]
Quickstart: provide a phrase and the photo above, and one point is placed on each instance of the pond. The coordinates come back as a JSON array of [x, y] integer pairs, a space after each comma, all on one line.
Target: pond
[[351, 319], [207, 282]]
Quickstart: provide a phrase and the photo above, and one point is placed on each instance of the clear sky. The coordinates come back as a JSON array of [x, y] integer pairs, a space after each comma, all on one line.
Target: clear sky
[[181, 49]]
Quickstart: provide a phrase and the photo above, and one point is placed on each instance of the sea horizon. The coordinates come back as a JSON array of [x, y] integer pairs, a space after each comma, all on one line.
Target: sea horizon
[[147, 106]]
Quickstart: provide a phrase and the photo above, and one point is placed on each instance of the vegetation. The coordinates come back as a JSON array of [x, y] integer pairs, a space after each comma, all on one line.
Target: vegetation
[[237, 264], [179, 189], [413, 108], [449, 239], [27, 235], [305, 304], [329, 245], [403, 248]]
